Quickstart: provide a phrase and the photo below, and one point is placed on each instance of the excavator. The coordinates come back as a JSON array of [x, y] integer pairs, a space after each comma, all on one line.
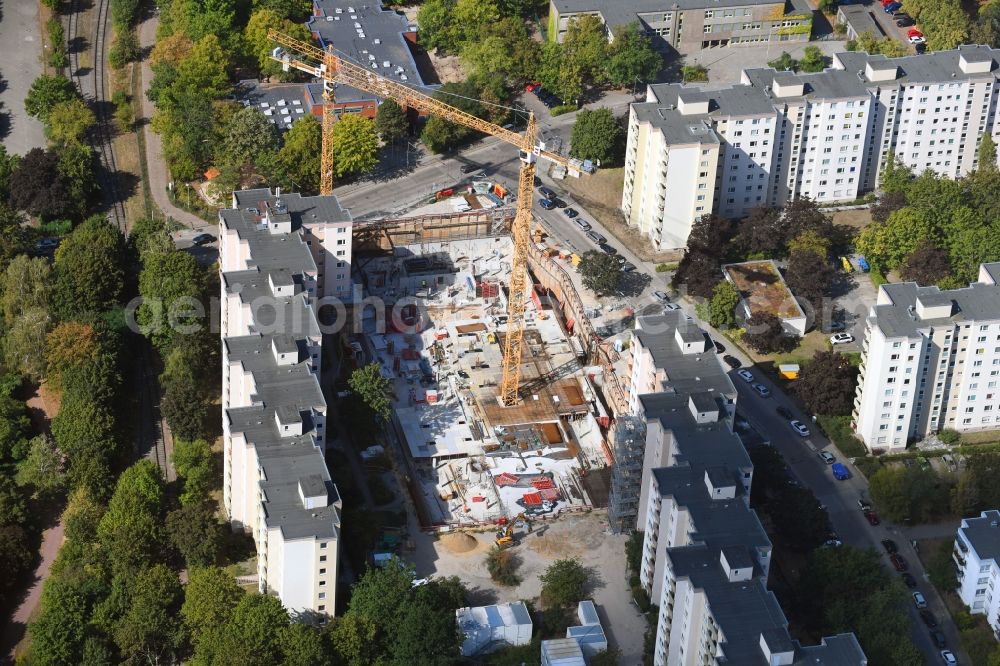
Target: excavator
[[505, 535]]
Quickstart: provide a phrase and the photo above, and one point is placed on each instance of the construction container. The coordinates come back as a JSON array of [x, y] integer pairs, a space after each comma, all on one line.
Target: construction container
[[789, 370], [846, 263], [575, 259]]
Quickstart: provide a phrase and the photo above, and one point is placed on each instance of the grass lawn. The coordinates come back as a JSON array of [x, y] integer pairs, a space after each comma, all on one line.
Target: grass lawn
[[812, 342]]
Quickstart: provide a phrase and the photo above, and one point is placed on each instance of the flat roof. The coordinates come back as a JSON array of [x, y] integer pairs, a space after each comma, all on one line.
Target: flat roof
[[899, 317], [763, 289], [367, 35], [983, 534], [622, 12], [699, 372], [281, 103]]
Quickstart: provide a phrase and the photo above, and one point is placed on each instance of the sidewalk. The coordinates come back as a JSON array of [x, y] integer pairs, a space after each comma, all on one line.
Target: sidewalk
[[156, 167]]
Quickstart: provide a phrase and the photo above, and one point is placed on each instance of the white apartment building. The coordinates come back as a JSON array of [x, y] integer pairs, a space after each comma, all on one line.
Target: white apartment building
[[278, 254], [977, 556], [778, 135], [931, 360], [705, 555]]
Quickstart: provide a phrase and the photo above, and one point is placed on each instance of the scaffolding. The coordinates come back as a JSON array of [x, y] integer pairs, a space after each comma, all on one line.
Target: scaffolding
[[629, 438]]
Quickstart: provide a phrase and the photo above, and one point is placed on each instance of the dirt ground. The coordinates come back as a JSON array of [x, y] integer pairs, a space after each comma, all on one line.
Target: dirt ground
[[601, 194], [584, 537], [858, 219]]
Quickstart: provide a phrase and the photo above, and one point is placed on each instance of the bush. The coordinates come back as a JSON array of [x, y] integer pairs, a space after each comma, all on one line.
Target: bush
[[666, 268], [641, 598], [57, 41], [124, 50], [561, 109], [838, 429], [502, 565], [692, 73], [949, 436]]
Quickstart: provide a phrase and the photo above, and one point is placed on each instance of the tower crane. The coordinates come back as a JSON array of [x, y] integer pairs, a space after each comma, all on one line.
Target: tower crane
[[332, 69]]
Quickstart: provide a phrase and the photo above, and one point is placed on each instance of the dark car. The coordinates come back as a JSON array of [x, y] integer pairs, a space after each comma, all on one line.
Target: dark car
[[607, 249], [203, 239], [559, 202], [939, 639], [546, 204], [898, 563], [892, 7], [570, 212], [909, 580], [732, 361], [920, 48], [546, 192], [904, 22], [628, 267], [719, 347], [469, 168], [872, 518], [928, 618], [890, 547], [596, 237], [785, 412]]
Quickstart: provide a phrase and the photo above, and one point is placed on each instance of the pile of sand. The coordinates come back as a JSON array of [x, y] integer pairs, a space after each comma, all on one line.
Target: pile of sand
[[459, 542]]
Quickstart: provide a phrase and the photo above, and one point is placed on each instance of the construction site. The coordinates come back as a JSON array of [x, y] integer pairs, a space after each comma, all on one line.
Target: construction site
[[494, 364]]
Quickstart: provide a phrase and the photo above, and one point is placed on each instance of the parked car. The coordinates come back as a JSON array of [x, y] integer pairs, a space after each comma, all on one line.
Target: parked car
[[582, 223], [719, 347], [916, 39], [546, 204], [892, 8], [596, 237], [628, 267], [547, 192], [619, 258], [840, 471], [661, 296], [746, 376], [872, 518], [761, 390], [898, 563], [607, 249], [904, 22], [909, 580], [913, 32], [469, 168], [559, 203], [532, 87], [784, 412], [928, 618], [670, 307], [203, 239], [920, 48], [800, 428], [732, 361], [570, 212], [833, 543], [919, 601], [827, 457], [939, 639], [890, 546], [947, 657], [841, 339]]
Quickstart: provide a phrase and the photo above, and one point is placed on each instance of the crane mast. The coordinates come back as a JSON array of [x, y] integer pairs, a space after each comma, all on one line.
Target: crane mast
[[297, 54]]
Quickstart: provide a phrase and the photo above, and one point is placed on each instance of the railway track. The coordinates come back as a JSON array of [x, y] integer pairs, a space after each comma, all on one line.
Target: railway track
[[93, 85]]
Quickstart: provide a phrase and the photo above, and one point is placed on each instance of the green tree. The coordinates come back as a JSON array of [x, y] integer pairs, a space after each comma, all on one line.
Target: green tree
[[257, 44], [81, 516], [250, 138], [926, 265], [585, 46], [723, 304], [597, 136], [908, 493], [170, 284], [193, 461], [425, 635], [470, 19], [184, 406], [436, 22], [252, 636], [502, 566], [563, 583], [130, 528], [439, 134], [390, 122], [69, 122], [199, 18], [89, 268], [886, 245], [694, 73], [70, 345], [504, 50], [76, 173], [299, 156], [58, 633], [631, 57], [46, 92], [352, 637], [783, 63], [210, 597], [810, 277], [43, 468], [813, 60], [302, 645], [826, 384], [150, 629], [355, 145], [124, 14], [17, 554], [987, 152], [976, 487], [766, 334], [196, 533], [373, 388], [810, 241], [38, 188], [601, 272], [24, 344]]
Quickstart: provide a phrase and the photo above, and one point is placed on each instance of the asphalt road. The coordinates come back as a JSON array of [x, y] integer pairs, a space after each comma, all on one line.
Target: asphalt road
[[840, 499], [21, 54]]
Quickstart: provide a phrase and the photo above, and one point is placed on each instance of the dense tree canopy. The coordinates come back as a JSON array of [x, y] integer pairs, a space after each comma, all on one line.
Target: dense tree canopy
[[597, 136], [766, 334], [600, 271], [89, 268], [826, 384]]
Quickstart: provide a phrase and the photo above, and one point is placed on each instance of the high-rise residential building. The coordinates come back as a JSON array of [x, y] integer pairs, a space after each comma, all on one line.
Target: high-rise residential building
[[931, 361], [778, 135], [278, 254], [977, 556], [691, 25], [705, 555]]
